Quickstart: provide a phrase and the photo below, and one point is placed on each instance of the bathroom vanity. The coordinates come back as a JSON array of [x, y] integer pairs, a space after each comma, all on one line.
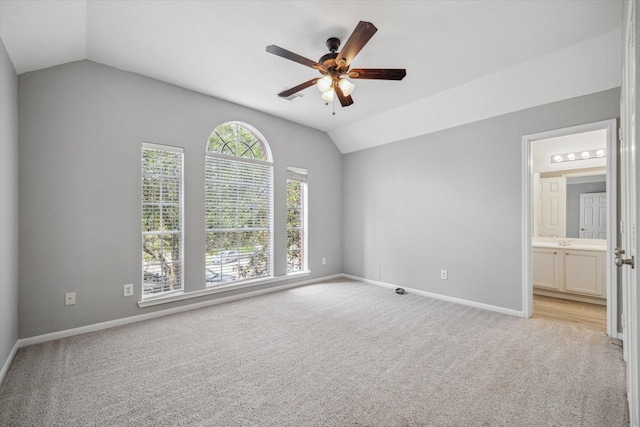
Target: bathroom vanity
[[572, 269]]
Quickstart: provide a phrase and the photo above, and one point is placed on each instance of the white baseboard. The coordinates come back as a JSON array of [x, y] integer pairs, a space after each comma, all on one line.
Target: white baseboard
[[7, 363], [483, 306], [147, 316]]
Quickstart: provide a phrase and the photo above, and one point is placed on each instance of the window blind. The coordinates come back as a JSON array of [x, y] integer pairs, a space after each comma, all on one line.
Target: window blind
[[297, 174], [238, 219], [296, 220], [162, 219]]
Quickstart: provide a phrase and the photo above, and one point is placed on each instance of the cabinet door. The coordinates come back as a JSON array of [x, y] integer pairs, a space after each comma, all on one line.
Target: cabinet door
[[546, 268], [584, 272]]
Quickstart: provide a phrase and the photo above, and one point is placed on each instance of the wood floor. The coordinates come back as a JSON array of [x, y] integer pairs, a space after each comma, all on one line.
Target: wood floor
[[590, 316]]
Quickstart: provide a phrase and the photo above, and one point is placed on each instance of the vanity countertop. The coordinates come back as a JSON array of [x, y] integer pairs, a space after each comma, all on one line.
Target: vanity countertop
[[573, 245]]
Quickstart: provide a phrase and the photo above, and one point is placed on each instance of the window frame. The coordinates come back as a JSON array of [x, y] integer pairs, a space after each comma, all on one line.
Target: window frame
[[299, 175], [146, 294], [268, 173]]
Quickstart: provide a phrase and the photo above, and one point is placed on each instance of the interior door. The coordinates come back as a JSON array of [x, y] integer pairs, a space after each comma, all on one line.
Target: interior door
[[551, 207], [593, 216], [628, 229]]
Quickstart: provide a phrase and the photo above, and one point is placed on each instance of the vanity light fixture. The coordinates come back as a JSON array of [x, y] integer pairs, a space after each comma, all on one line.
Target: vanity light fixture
[[581, 155]]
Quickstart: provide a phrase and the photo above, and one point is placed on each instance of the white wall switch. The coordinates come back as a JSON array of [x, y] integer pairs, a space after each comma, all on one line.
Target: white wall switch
[[444, 275], [324, 261], [128, 290], [70, 298]]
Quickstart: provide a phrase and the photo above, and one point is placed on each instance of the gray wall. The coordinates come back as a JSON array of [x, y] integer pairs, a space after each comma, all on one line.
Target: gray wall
[[451, 200], [8, 205], [573, 203], [81, 130]]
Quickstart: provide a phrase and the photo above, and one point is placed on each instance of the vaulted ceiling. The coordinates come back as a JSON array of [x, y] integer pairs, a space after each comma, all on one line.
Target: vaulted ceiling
[[465, 60]]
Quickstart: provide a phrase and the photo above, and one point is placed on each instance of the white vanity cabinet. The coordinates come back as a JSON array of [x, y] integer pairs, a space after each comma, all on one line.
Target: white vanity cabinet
[[569, 273], [547, 268], [584, 272]]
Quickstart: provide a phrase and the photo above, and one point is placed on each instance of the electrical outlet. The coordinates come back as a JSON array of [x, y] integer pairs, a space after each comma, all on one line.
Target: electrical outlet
[[324, 261], [128, 290], [444, 275], [70, 298]]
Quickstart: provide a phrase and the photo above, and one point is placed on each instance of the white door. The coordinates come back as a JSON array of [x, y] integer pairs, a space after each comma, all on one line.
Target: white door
[[593, 216], [551, 207], [628, 228]]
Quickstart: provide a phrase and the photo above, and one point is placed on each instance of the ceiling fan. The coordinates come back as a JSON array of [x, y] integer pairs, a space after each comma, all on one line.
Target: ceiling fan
[[334, 66]]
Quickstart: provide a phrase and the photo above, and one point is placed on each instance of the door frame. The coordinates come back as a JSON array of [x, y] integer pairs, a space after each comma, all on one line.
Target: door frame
[[610, 126], [630, 158]]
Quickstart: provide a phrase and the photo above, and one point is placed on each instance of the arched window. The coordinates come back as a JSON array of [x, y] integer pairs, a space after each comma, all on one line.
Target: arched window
[[238, 205]]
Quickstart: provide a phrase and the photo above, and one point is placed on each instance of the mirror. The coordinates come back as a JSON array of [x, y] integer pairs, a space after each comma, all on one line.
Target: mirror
[[570, 186]]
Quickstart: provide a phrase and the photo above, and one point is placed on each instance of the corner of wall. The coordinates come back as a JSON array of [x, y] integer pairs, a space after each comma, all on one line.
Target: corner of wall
[[8, 210]]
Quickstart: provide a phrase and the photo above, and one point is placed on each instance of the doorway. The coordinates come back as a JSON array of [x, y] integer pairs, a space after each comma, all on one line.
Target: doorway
[[574, 267]]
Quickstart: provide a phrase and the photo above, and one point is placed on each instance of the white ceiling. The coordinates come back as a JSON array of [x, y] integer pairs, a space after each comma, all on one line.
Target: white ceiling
[[465, 60]]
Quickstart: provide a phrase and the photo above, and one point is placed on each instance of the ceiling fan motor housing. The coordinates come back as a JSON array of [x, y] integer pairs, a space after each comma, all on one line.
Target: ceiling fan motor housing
[[333, 44], [329, 60]]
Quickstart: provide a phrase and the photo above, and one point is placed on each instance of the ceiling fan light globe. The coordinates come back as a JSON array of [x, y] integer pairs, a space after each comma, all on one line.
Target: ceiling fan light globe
[[324, 84], [346, 86], [328, 95]]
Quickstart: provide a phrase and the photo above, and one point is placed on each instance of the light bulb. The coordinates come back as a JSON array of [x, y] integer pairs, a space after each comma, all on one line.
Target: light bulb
[[557, 158], [324, 84], [571, 156], [346, 86], [328, 95], [600, 153], [585, 155]]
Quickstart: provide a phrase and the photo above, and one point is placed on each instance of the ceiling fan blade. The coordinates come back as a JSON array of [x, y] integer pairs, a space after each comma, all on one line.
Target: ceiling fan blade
[[284, 53], [345, 101], [360, 36], [289, 92], [377, 73]]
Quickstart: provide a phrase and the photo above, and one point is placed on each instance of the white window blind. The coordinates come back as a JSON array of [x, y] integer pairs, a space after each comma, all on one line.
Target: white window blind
[[238, 205], [162, 219], [296, 220]]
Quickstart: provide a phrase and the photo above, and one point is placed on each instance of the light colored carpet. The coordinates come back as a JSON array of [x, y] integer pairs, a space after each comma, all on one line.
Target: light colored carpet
[[330, 354]]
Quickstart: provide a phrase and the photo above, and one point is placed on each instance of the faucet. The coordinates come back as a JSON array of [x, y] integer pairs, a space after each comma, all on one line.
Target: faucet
[[564, 242]]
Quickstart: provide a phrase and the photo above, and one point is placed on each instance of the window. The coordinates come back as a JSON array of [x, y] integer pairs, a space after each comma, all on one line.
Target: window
[[162, 210], [238, 205], [296, 220]]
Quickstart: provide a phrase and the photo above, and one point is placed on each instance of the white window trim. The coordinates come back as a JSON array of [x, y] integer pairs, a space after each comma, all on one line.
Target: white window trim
[[179, 150], [300, 175], [165, 299], [218, 287]]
